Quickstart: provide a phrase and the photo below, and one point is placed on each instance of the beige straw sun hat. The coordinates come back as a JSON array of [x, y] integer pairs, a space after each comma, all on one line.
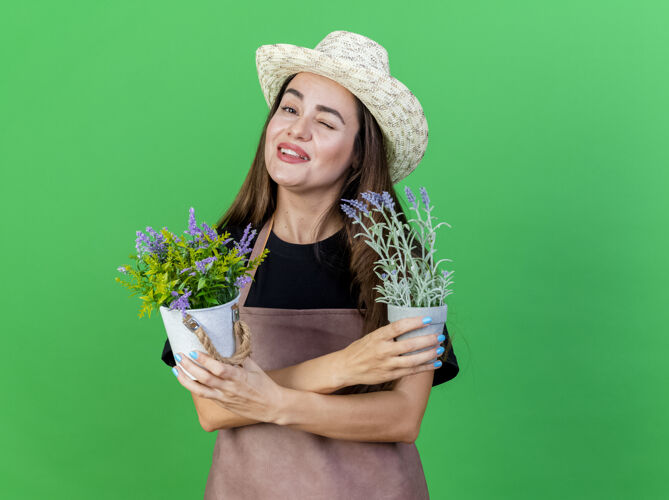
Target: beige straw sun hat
[[360, 65]]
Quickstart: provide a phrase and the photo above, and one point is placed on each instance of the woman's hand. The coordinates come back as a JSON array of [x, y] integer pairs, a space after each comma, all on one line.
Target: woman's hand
[[375, 358], [245, 390]]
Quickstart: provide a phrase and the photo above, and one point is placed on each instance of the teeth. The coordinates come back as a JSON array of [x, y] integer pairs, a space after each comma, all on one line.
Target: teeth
[[291, 152]]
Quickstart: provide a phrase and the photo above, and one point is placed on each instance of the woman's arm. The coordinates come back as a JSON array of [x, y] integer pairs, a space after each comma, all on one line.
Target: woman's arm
[[378, 416], [320, 375], [338, 369], [326, 374]]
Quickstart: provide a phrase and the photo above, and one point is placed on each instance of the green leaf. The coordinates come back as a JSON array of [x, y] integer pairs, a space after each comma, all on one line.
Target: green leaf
[[201, 283]]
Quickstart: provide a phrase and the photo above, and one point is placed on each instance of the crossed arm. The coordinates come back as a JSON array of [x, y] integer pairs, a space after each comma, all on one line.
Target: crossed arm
[[393, 415]]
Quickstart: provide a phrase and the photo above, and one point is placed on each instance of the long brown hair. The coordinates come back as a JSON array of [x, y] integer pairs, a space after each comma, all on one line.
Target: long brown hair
[[256, 202]]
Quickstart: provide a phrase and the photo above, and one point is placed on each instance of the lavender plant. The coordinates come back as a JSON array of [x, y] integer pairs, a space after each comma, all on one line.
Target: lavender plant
[[405, 280], [185, 273]]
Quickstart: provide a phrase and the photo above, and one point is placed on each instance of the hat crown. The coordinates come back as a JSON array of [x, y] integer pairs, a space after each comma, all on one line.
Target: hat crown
[[358, 49]]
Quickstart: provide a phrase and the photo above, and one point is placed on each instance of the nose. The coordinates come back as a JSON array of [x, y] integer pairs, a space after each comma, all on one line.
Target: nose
[[299, 128]]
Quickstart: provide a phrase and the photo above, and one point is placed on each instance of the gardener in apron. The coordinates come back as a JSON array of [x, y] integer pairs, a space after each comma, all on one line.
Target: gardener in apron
[[325, 406]]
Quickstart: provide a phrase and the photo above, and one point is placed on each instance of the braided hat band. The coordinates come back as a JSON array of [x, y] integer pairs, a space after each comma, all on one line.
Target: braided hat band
[[360, 65]]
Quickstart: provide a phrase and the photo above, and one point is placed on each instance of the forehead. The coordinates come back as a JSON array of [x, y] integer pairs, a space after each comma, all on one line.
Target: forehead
[[319, 89]]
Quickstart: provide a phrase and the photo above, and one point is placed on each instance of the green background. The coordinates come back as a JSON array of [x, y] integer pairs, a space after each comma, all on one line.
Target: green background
[[547, 155]]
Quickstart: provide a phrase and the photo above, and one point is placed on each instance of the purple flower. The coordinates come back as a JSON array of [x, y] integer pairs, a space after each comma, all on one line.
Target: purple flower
[[380, 201], [144, 244], [204, 264], [410, 196], [373, 198], [141, 242], [209, 231], [242, 281], [350, 211], [358, 205], [446, 273], [181, 303], [243, 246], [122, 269], [424, 197], [185, 269], [384, 276], [192, 230], [388, 201], [198, 242]]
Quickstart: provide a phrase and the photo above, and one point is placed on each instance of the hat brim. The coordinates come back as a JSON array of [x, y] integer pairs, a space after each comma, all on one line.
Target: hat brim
[[396, 109]]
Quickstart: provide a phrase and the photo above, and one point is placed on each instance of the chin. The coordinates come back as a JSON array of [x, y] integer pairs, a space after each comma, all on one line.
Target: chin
[[281, 178]]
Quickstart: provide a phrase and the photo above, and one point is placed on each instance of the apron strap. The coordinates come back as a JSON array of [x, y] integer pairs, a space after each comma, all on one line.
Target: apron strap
[[258, 247]]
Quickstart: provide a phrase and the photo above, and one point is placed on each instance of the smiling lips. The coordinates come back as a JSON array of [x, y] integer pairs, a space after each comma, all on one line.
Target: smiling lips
[[289, 158]]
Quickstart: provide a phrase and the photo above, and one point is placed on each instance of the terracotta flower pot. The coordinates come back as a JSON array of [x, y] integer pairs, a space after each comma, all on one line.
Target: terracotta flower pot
[[217, 322], [437, 313]]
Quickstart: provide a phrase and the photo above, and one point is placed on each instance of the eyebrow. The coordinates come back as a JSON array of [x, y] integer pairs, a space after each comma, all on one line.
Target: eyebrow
[[319, 107]]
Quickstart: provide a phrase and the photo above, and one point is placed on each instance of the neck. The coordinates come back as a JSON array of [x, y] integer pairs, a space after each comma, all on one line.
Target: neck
[[297, 215]]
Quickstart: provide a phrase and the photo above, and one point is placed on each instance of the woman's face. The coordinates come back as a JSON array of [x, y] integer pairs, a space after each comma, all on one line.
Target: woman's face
[[318, 117]]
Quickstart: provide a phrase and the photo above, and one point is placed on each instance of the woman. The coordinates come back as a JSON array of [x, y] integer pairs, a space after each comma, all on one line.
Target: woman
[[325, 406]]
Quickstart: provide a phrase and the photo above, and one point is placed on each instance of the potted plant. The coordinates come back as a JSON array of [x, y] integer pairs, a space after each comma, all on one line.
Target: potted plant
[[195, 283], [411, 284]]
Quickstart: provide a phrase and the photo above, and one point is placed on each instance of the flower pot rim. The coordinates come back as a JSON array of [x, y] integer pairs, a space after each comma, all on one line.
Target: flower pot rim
[[417, 307], [209, 308]]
